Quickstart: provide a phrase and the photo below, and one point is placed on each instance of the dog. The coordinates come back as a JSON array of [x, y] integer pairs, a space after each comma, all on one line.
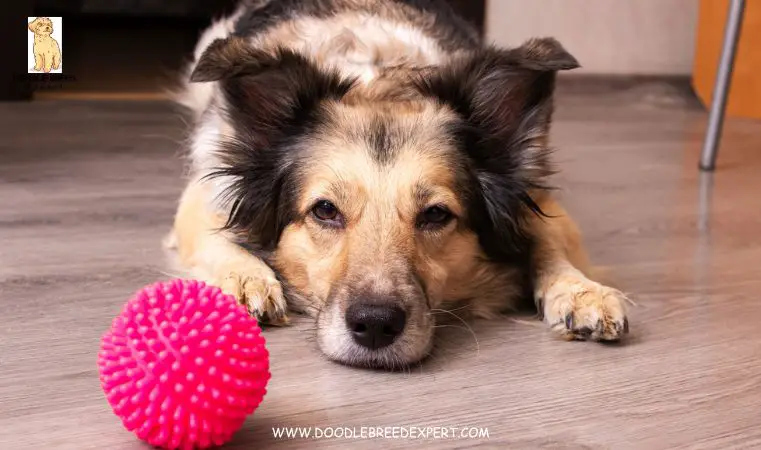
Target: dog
[[373, 164], [47, 52]]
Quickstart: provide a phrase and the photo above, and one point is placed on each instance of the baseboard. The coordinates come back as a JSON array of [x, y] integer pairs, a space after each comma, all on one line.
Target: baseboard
[[674, 90]]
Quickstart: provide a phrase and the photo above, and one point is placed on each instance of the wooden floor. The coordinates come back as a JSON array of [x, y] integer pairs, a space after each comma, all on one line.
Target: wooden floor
[[87, 191]]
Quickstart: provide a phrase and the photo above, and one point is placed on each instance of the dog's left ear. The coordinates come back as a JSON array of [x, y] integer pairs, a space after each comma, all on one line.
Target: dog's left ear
[[504, 100], [496, 90], [33, 24]]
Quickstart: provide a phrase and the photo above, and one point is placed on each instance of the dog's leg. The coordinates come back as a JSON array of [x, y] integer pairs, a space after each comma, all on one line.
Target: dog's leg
[[572, 304], [215, 259], [57, 60], [39, 60], [47, 63]]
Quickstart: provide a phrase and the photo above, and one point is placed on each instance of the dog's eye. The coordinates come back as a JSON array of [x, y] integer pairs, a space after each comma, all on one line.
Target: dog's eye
[[434, 216], [327, 212]]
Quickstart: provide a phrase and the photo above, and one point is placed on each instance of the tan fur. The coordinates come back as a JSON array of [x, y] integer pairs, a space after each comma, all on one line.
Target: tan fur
[[563, 289], [379, 252], [210, 256], [380, 207], [380, 247], [47, 53], [572, 303]]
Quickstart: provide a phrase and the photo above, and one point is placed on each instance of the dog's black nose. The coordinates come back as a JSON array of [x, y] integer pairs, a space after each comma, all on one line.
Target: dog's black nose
[[375, 326]]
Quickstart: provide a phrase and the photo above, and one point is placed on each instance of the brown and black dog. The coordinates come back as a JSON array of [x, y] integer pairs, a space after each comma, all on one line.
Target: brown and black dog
[[371, 163]]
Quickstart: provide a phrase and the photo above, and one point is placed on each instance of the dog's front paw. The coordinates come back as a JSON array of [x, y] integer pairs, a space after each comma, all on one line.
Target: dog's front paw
[[586, 310], [261, 293]]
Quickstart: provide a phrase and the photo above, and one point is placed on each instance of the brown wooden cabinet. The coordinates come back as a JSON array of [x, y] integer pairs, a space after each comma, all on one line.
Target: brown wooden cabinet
[[745, 92]]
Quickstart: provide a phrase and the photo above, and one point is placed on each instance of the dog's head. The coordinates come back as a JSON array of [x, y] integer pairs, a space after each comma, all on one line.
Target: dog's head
[[41, 26], [379, 214]]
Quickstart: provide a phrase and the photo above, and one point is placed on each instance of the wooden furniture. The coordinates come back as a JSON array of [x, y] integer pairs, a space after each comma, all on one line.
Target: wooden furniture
[[727, 65], [744, 100]]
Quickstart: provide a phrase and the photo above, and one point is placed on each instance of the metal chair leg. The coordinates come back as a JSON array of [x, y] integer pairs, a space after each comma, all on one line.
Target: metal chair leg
[[721, 86]]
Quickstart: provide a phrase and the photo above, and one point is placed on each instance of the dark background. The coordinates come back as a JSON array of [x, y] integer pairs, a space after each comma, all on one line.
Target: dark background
[[125, 46]]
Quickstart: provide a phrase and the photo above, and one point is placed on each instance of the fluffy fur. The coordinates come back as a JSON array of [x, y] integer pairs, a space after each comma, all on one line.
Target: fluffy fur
[[352, 152]]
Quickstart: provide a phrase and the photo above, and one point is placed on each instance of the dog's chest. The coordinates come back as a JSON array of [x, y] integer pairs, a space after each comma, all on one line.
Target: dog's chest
[[44, 43]]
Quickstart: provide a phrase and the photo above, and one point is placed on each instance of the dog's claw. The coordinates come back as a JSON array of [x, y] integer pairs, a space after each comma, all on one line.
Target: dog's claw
[[262, 296], [588, 311]]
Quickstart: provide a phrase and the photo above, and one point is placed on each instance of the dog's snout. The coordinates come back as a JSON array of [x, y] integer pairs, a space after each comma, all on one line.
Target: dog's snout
[[375, 326]]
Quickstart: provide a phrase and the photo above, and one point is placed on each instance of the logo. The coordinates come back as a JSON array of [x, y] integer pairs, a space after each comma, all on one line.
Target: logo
[[45, 45]]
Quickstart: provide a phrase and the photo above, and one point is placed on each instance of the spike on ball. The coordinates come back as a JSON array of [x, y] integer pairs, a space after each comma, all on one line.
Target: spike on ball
[[183, 365]]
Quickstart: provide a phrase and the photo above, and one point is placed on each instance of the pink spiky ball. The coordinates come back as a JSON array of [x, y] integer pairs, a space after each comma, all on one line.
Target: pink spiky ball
[[183, 365]]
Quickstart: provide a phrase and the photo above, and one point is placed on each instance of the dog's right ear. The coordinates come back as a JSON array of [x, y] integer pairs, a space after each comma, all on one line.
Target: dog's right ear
[[264, 91], [270, 99], [33, 24], [231, 57], [234, 57]]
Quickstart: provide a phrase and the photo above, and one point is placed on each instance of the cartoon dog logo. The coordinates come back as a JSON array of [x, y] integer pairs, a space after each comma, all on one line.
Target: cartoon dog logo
[[47, 52]]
